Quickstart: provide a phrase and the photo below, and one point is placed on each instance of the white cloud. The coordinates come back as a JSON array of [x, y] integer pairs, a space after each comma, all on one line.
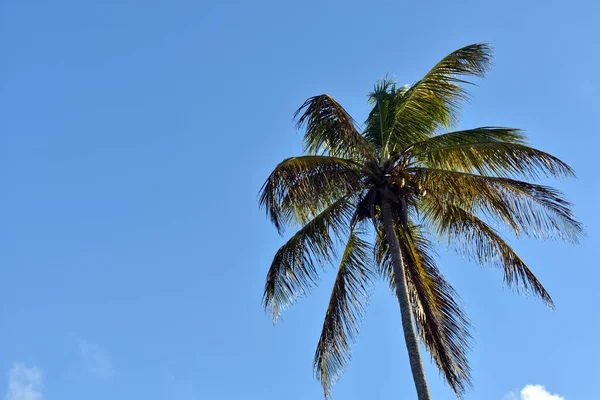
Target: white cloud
[[96, 361], [533, 392], [24, 383]]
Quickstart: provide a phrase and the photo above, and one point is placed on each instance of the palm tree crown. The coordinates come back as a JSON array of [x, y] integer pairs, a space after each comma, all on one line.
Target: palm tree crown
[[457, 186]]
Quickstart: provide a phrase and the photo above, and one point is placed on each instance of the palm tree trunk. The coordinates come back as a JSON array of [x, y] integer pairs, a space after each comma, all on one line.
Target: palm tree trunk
[[410, 337]]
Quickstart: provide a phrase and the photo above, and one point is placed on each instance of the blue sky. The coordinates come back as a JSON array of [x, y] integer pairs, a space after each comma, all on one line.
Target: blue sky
[[135, 135]]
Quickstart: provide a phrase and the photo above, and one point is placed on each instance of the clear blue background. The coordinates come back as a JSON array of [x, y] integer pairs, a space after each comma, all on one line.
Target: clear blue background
[[135, 135]]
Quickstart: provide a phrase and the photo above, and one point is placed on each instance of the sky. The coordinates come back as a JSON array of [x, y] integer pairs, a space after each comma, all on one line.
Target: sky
[[135, 136]]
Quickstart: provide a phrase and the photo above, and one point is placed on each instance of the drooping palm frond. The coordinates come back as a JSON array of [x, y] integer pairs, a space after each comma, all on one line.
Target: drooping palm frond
[[294, 269], [530, 209], [471, 236], [331, 130], [493, 157], [442, 325], [345, 310], [434, 101], [300, 187]]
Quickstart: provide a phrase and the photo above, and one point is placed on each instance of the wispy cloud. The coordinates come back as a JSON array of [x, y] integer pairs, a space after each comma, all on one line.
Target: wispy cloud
[[533, 392], [96, 361], [24, 383]]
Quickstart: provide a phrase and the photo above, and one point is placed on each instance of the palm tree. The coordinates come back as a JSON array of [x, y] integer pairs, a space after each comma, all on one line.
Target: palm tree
[[405, 182]]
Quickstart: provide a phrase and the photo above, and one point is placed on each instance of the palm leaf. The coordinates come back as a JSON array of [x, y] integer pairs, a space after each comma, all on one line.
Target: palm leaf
[[294, 269], [300, 187], [472, 237], [469, 136], [530, 209], [344, 313], [442, 325], [491, 157], [331, 130], [434, 101], [385, 98]]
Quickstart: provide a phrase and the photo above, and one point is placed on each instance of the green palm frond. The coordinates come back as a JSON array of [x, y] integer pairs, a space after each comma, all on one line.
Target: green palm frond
[[300, 187], [442, 325], [294, 269], [434, 101], [492, 157], [530, 209], [331, 130], [345, 310], [385, 98], [472, 237], [486, 134]]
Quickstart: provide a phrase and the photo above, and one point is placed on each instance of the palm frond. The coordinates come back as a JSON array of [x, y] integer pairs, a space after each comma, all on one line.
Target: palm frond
[[472, 237], [442, 325], [294, 269], [385, 98], [344, 313], [492, 157], [331, 130], [469, 136], [300, 187], [434, 101], [530, 209]]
